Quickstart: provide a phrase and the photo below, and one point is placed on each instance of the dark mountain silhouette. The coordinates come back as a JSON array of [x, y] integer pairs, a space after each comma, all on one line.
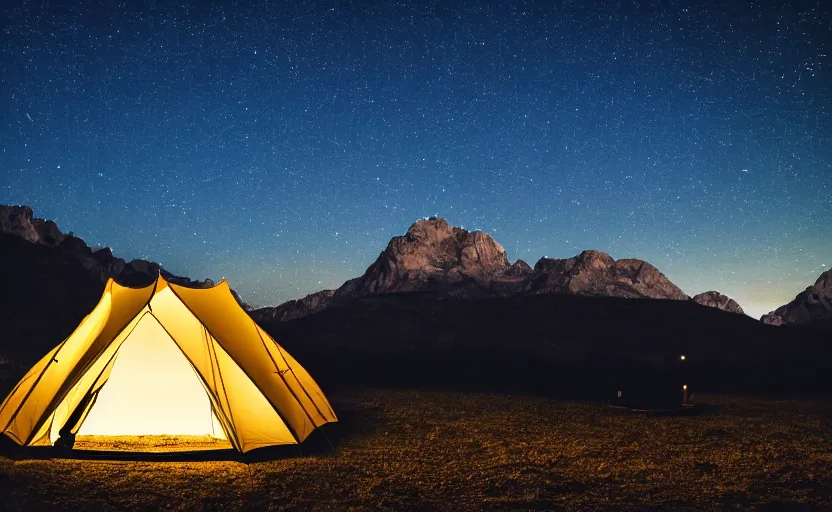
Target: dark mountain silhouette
[[44, 295], [101, 264], [555, 343], [811, 306]]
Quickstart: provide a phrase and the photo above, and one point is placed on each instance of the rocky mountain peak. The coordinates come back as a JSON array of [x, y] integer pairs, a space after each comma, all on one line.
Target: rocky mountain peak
[[433, 243], [814, 304], [19, 220], [518, 269], [427, 230], [714, 299], [430, 253]]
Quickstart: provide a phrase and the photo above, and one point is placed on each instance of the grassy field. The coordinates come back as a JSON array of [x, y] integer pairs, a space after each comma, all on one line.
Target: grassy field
[[402, 450]]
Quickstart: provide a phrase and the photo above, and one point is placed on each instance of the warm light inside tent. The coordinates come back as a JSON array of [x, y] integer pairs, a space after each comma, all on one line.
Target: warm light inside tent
[[152, 390]]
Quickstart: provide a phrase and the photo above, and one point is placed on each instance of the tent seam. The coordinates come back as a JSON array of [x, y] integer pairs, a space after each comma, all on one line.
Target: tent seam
[[212, 349], [294, 395], [279, 351], [54, 403], [214, 370], [29, 393]]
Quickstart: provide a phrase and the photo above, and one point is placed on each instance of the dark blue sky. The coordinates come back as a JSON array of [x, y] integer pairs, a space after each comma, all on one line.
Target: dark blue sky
[[281, 146]]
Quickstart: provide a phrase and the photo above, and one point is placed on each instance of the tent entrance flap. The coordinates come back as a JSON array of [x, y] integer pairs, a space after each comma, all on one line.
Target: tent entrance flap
[[152, 390]]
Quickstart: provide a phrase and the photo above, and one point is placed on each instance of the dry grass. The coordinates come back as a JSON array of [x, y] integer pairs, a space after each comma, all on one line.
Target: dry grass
[[452, 451], [157, 444]]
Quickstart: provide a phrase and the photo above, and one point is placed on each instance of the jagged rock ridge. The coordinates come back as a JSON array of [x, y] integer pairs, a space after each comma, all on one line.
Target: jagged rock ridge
[[812, 305], [597, 273], [293, 309], [101, 263]]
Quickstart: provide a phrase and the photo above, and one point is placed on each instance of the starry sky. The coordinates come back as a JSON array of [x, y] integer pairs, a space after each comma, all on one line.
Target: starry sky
[[282, 145]]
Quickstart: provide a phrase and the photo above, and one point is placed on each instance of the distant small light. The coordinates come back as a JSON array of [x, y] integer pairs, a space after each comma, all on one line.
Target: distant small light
[[685, 387], [682, 357]]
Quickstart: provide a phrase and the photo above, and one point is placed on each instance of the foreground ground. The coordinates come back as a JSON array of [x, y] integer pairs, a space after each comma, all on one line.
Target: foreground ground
[[150, 443], [452, 451]]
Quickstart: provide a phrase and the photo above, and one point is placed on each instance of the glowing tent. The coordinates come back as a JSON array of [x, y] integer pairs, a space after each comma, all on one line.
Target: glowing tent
[[166, 359]]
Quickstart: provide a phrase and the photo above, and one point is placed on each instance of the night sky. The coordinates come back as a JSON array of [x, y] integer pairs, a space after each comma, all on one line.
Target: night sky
[[282, 146]]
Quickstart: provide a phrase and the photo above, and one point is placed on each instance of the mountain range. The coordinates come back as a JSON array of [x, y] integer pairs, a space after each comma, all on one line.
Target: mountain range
[[433, 256], [450, 261], [447, 302]]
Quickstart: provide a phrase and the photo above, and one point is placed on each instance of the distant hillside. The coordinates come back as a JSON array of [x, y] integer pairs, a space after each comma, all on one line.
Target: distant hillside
[[554, 342]]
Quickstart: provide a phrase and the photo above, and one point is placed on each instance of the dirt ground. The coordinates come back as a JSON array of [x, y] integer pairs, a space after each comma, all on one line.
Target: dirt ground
[[405, 450]]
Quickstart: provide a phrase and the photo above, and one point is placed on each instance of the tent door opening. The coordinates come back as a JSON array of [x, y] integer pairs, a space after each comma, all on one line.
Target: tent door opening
[[152, 396]]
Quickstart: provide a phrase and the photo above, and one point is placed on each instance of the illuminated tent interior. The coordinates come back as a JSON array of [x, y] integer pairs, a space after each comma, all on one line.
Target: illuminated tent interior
[[166, 360]]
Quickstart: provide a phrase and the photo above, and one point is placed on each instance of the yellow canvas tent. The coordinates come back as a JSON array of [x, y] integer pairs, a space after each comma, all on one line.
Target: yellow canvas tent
[[166, 359]]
